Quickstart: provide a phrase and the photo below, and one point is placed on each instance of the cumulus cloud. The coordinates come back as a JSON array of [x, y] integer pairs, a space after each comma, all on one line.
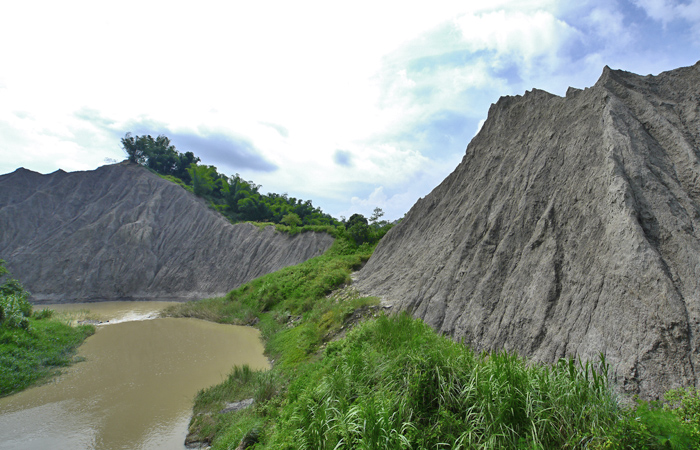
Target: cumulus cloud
[[396, 195], [95, 117], [666, 11], [685, 17], [530, 40], [609, 23], [443, 81], [379, 116]]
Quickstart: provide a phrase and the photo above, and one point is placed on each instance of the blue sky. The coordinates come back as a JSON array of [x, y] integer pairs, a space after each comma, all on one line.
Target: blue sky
[[363, 105]]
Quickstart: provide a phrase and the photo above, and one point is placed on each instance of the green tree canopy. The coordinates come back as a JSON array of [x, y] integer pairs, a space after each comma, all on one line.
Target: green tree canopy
[[159, 155], [202, 178], [234, 197], [291, 219]]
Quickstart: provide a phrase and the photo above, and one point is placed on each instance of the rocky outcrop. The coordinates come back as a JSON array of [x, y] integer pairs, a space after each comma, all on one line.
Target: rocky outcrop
[[570, 228], [121, 232]]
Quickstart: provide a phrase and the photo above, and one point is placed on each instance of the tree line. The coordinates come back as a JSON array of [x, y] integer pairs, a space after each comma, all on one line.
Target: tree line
[[240, 200], [237, 199]]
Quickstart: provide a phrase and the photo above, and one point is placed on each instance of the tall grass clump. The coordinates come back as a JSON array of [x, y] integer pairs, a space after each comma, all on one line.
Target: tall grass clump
[[394, 383]]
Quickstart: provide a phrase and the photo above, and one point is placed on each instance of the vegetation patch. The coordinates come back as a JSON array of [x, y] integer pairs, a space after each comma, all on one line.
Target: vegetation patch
[[33, 344], [275, 299], [33, 354], [392, 382], [237, 199]]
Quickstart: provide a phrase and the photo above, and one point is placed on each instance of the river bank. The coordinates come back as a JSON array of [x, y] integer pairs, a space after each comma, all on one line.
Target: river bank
[[36, 354], [135, 385]]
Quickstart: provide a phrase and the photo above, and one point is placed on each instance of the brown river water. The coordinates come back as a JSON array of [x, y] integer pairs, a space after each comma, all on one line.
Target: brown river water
[[136, 386]]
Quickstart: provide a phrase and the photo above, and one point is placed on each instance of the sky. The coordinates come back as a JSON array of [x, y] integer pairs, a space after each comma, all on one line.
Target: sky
[[353, 105]]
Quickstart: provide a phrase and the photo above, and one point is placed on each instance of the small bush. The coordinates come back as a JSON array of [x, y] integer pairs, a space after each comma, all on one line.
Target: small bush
[[43, 314], [648, 426], [15, 311], [684, 403]]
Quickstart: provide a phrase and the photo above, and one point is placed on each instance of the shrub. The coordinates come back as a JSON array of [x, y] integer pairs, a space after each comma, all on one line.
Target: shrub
[[648, 426], [43, 314], [291, 220], [14, 311], [684, 403]]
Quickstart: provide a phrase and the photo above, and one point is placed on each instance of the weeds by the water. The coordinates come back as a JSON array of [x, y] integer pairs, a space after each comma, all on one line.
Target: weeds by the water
[[33, 344], [394, 383], [76, 317], [30, 355]]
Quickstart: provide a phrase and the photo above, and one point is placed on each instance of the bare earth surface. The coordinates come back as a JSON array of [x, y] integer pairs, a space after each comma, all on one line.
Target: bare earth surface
[[571, 227], [121, 232]]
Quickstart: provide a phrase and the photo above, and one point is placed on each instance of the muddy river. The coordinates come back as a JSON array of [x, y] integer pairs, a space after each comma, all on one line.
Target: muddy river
[[134, 390]]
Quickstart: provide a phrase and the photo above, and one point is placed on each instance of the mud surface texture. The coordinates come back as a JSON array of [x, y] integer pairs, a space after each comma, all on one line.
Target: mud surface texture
[[121, 232]]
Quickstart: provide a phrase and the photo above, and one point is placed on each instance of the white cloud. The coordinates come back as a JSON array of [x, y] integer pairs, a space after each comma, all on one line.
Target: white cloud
[[394, 206], [609, 24], [398, 87], [666, 11], [522, 37], [674, 11]]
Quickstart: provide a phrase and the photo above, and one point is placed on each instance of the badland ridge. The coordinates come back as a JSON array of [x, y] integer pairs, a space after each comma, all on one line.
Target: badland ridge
[[571, 227], [121, 232]]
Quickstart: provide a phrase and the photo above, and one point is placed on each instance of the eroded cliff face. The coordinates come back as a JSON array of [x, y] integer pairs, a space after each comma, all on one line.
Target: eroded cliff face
[[121, 232], [570, 228]]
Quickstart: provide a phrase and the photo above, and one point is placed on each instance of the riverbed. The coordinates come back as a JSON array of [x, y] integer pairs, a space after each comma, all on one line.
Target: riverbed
[[135, 387]]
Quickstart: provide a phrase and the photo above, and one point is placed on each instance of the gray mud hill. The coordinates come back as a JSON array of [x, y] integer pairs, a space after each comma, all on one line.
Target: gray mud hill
[[121, 232], [570, 228]]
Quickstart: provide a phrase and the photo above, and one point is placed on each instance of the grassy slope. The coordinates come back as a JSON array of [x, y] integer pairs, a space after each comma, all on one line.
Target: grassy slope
[[394, 383], [31, 356]]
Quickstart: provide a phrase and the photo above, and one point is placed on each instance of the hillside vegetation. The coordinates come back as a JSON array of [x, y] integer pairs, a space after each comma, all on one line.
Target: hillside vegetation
[[392, 382], [237, 199], [241, 201]]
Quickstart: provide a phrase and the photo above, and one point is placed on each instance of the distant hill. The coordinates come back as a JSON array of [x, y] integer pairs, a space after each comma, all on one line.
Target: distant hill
[[570, 228], [121, 232]]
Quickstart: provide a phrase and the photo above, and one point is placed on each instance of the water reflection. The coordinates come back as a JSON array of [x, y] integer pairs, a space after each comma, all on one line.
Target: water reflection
[[135, 388]]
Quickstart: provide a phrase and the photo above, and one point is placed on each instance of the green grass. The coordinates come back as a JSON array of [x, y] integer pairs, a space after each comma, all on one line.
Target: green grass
[[392, 382], [295, 290], [29, 356], [175, 180], [329, 229]]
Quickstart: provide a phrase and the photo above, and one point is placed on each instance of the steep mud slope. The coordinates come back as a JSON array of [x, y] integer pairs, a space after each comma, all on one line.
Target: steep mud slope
[[571, 227], [121, 232]]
